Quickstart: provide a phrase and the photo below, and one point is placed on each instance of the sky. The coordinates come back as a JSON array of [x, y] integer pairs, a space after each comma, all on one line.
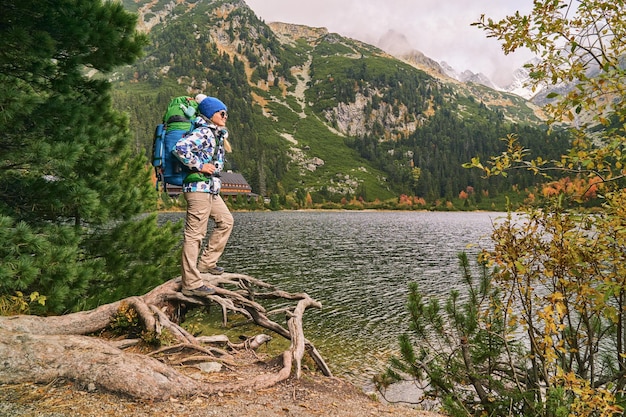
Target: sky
[[438, 28]]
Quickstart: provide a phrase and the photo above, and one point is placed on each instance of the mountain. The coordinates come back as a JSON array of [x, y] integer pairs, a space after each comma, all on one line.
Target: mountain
[[397, 45], [315, 112], [519, 85]]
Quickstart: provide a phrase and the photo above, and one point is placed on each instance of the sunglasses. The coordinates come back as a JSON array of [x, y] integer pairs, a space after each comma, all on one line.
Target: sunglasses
[[223, 114]]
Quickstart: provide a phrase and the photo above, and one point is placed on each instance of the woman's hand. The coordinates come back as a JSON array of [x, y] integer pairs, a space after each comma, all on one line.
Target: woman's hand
[[208, 169]]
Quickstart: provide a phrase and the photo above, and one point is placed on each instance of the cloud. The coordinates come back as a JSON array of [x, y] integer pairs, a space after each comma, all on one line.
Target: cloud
[[441, 29]]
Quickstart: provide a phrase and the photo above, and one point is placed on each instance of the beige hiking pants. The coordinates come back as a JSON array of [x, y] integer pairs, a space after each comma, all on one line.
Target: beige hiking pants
[[201, 207]]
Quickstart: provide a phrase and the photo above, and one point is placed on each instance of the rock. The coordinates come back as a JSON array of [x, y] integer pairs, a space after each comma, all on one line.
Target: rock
[[210, 367]]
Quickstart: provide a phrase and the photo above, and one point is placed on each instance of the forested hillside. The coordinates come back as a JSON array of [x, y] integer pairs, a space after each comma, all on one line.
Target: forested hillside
[[314, 112]]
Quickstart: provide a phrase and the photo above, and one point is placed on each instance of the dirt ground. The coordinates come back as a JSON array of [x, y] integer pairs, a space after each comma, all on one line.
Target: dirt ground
[[305, 397], [311, 395]]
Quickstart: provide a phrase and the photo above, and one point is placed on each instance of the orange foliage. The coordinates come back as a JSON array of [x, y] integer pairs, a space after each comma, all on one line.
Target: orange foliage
[[582, 187], [464, 194], [405, 200], [153, 177], [356, 203]]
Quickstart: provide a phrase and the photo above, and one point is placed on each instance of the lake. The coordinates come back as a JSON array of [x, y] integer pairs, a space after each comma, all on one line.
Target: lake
[[358, 264]]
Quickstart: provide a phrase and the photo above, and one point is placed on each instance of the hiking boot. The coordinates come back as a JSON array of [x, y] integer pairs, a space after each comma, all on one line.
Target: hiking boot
[[202, 291], [214, 270]]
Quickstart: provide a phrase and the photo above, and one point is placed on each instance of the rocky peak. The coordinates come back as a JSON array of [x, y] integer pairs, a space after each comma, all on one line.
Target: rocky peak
[[394, 43], [294, 31], [426, 64], [468, 76]]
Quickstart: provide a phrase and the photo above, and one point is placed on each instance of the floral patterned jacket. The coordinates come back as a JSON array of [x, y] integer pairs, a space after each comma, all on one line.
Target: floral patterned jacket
[[203, 145]]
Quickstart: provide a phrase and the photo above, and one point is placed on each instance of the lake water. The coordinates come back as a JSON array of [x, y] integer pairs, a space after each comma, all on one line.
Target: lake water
[[358, 265]]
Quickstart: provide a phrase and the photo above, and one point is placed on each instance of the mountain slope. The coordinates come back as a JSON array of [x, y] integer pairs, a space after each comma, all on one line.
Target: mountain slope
[[312, 111]]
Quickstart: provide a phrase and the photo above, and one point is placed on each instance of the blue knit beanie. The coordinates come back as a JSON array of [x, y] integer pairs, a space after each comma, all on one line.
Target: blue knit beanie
[[210, 105]]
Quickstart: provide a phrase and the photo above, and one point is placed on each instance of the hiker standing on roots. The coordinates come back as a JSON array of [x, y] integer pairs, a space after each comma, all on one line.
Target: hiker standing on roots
[[203, 152]]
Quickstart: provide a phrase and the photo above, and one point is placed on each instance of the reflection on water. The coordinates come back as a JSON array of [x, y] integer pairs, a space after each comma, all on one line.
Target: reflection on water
[[358, 265]]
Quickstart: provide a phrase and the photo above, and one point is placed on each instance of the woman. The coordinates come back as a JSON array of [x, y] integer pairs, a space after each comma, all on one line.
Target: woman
[[203, 152]]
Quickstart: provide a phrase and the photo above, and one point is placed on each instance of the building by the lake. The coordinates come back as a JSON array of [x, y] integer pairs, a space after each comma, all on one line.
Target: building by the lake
[[233, 184]]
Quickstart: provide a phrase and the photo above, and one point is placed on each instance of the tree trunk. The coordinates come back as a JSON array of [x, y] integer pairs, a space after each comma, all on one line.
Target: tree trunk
[[42, 349]]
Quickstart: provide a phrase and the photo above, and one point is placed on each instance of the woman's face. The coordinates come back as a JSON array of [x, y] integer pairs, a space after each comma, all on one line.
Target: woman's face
[[219, 118]]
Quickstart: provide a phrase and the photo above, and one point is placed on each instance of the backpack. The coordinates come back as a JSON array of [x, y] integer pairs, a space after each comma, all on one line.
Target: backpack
[[177, 122]]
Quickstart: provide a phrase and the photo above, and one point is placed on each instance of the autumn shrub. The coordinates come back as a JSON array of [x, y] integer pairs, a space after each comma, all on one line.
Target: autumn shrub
[[539, 334], [20, 303], [543, 333]]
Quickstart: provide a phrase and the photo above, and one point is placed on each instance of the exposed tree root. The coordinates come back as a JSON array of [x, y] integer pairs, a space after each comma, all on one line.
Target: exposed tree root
[[42, 349]]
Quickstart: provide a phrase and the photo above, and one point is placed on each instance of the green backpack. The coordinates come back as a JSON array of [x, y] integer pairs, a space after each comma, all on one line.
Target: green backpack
[[177, 122], [180, 111]]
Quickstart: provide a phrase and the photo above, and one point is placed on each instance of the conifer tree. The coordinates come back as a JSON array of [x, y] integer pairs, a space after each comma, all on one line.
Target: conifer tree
[[71, 189]]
